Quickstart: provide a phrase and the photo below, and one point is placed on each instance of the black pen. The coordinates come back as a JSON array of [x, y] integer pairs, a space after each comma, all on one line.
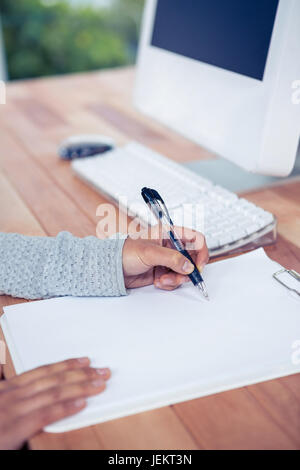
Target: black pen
[[157, 206]]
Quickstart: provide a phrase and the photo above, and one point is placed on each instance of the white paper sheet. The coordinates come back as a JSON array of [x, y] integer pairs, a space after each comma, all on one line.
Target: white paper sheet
[[166, 347]]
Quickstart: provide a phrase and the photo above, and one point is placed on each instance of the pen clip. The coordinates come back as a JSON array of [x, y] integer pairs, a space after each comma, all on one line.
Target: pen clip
[[164, 211], [156, 204]]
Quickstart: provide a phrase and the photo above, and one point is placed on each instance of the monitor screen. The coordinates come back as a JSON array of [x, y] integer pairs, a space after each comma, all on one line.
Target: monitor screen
[[234, 35]]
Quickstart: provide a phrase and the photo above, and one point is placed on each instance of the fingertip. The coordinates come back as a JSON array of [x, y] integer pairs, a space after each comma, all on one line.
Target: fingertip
[[99, 383], [79, 403], [69, 407], [202, 260], [181, 279], [172, 282], [83, 360], [167, 281], [187, 267], [161, 286], [104, 372], [201, 266]]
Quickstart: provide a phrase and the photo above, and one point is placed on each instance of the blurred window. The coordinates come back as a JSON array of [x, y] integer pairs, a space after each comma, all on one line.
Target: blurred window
[[46, 37]]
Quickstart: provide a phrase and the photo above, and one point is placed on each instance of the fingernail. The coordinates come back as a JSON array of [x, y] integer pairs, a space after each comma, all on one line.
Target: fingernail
[[158, 285], [83, 360], [168, 281], [97, 383], [103, 371], [188, 267], [79, 403]]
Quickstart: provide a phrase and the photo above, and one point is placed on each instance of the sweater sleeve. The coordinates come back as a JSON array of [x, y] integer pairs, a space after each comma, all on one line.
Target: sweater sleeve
[[44, 267]]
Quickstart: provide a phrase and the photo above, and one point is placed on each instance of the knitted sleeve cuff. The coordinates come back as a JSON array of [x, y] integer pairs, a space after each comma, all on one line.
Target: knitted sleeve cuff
[[84, 267], [43, 267]]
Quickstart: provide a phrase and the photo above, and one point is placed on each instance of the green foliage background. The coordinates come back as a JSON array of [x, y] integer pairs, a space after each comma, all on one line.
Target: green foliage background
[[46, 37]]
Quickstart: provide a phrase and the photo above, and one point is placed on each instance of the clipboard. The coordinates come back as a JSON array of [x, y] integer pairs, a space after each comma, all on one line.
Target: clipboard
[[290, 279]]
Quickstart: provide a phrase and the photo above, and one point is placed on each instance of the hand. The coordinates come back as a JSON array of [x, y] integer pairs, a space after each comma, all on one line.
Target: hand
[[33, 400], [154, 261]]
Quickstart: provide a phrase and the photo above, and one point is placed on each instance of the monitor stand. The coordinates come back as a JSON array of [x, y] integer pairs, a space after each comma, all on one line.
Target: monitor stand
[[234, 178]]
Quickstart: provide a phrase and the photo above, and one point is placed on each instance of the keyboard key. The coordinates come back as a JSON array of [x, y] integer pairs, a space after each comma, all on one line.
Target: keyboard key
[[225, 239], [212, 243], [238, 234], [252, 228]]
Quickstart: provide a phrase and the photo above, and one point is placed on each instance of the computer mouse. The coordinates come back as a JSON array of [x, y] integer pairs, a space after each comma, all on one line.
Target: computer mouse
[[85, 145]]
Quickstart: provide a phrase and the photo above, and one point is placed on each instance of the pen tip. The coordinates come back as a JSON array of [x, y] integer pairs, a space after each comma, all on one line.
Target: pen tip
[[204, 291]]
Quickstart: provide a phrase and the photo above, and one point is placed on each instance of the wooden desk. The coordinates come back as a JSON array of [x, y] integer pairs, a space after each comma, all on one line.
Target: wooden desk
[[40, 196]]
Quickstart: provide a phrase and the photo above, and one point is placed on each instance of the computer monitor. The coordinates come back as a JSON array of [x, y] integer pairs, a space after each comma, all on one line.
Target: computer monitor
[[224, 73]]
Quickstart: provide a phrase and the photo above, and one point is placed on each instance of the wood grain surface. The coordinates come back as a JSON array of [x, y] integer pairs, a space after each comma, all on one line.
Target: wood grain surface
[[39, 195]]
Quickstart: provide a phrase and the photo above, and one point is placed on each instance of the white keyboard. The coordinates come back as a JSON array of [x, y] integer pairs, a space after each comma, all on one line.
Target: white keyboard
[[228, 222]]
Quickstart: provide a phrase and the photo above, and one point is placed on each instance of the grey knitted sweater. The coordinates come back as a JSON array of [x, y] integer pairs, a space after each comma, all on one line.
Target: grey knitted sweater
[[43, 267]]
